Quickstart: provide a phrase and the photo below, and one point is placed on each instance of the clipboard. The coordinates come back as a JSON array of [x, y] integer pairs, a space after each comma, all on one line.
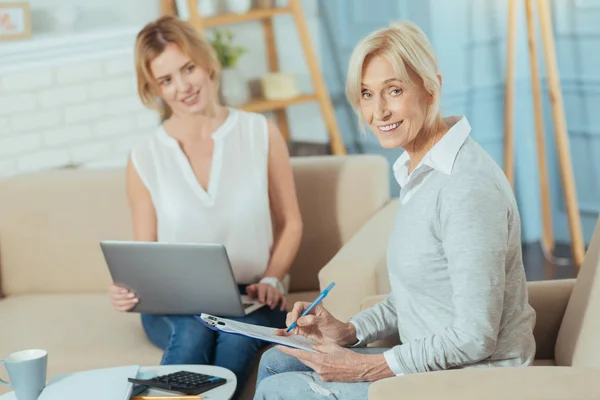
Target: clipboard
[[255, 331]]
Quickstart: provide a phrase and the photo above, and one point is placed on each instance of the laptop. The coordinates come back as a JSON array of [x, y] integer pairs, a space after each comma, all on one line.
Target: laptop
[[177, 278]]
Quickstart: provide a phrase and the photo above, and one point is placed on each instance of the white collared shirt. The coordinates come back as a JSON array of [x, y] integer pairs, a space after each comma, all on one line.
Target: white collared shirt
[[439, 158]]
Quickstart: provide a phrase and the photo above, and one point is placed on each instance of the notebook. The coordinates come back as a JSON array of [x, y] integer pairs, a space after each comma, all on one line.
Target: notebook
[[98, 384]]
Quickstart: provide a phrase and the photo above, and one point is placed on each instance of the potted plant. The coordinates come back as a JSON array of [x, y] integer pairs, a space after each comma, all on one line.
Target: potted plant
[[234, 89]]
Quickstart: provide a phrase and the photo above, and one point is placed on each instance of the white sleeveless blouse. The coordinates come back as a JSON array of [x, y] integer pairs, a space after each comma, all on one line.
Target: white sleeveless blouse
[[234, 211]]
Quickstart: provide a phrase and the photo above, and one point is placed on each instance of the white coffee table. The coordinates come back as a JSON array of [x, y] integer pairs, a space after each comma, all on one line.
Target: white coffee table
[[224, 392]]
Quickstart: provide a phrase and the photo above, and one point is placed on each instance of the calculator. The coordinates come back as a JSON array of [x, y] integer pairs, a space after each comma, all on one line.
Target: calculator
[[183, 381]]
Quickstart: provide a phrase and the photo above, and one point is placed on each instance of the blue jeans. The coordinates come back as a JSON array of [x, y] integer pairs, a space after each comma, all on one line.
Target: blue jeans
[[187, 341], [281, 376]]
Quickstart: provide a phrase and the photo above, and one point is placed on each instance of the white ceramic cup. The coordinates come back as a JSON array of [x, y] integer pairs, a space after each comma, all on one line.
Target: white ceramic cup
[[27, 372]]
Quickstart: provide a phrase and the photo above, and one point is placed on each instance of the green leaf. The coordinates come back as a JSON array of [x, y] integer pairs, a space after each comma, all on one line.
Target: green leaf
[[227, 53]]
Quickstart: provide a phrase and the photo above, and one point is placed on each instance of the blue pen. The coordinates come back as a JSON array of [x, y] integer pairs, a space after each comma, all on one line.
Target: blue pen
[[314, 303]]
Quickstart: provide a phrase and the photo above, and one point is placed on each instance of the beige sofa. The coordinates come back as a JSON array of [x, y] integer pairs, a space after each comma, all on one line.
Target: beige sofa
[[54, 278], [567, 330]]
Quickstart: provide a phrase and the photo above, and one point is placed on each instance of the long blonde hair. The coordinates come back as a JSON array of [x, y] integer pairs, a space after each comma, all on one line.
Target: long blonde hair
[[405, 46], [152, 40]]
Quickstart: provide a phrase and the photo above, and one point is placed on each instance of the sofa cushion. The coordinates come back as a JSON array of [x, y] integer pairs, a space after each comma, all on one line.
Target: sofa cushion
[[50, 227], [79, 331]]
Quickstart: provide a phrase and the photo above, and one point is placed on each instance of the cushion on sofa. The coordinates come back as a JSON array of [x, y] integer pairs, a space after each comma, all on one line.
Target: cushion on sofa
[[336, 195], [50, 226]]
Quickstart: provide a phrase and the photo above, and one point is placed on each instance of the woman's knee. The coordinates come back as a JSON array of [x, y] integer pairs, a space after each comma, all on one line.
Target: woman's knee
[[273, 361], [156, 329], [278, 385], [189, 342], [307, 385], [187, 332]]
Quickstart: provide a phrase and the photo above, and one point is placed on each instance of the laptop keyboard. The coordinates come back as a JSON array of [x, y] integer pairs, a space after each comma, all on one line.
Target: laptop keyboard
[[247, 305]]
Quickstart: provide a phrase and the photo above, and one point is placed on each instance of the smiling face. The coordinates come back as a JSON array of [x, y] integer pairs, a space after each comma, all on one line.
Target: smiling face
[[182, 84], [394, 110]]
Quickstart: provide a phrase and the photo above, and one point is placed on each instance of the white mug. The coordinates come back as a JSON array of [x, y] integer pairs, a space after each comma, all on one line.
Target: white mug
[[27, 372]]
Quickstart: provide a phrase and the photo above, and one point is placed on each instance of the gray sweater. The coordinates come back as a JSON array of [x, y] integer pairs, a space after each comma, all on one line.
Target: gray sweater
[[459, 296]]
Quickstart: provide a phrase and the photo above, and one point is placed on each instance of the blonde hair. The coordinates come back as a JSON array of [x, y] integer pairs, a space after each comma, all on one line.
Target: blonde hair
[[152, 40], [406, 47]]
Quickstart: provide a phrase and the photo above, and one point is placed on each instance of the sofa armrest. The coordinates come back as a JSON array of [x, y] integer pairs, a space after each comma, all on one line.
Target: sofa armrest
[[501, 383], [354, 266], [549, 299]]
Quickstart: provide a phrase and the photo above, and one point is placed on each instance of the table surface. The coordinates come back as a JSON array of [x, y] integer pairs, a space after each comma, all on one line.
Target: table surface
[[222, 392]]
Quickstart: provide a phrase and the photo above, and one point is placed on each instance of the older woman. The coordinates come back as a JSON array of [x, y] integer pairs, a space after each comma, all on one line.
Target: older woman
[[459, 295]]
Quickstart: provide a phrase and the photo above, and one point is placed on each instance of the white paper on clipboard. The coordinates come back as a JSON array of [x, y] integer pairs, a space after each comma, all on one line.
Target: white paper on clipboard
[[257, 332]]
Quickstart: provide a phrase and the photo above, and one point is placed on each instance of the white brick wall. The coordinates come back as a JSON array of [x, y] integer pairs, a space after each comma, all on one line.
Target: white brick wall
[[62, 96], [12, 103], [119, 66], [123, 105], [79, 73], [113, 87], [34, 79], [90, 152], [4, 130], [43, 160], [34, 120], [87, 111], [68, 135], [71, 114], [115, 126], [18, 144]]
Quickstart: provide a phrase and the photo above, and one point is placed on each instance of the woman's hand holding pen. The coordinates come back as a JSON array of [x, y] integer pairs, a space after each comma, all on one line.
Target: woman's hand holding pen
[[319, 325], [332, 361]]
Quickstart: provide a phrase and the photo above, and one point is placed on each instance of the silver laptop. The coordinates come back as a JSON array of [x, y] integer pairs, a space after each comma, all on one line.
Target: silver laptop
[[171, 278]]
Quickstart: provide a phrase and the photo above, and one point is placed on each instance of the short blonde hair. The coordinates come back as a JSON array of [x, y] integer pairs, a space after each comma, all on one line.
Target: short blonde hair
[[152, 40], [406, 47]]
